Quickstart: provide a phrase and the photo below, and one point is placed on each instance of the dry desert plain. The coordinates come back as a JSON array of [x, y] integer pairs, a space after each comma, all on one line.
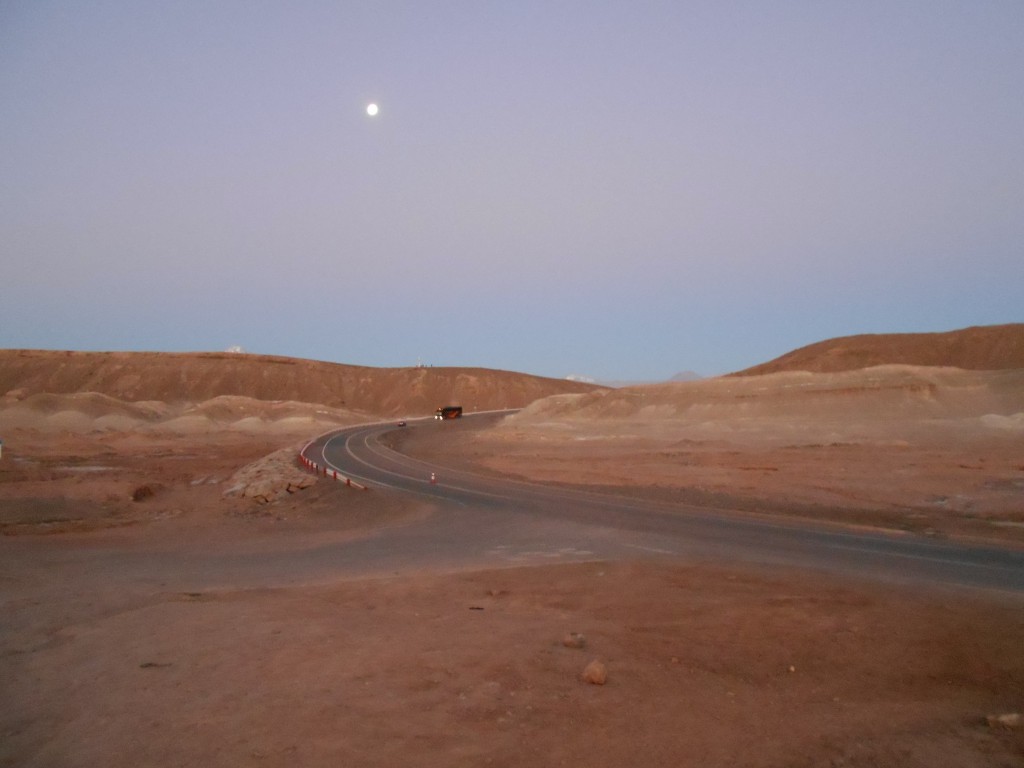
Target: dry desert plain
[[124, 644]]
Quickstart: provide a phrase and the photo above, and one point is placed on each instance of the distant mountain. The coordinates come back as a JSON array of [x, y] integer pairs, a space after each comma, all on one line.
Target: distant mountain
[[686, 376], [619, 383], [979, 348]]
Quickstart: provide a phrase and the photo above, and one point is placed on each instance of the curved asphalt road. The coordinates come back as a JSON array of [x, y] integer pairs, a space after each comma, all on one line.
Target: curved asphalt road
[[483, 520]]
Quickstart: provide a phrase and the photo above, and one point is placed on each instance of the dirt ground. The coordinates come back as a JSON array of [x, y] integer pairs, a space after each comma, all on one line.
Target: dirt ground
[[707, 664]]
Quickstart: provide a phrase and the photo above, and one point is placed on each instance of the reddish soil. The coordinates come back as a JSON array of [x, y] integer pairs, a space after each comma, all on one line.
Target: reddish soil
[[707, 664]]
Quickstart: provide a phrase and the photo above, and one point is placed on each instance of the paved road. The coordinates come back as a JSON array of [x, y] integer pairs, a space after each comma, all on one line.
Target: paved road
[[487, 520]]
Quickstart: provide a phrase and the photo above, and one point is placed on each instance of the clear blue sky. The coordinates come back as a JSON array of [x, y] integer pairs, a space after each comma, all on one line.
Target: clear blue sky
[[616, 189]]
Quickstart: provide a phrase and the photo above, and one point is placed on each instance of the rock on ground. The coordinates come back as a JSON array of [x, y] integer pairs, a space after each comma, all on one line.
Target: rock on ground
[[595, 673], [273, 477]]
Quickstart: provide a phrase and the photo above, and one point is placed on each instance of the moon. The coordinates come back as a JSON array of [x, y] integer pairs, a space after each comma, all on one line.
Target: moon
[[372, 109]]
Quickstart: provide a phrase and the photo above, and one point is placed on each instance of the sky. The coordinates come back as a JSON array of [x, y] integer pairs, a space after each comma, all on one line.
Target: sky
[[618, 190]]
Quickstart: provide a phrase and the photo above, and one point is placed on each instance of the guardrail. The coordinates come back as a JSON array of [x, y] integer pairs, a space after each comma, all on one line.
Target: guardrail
[[318, 470], [331, 472]]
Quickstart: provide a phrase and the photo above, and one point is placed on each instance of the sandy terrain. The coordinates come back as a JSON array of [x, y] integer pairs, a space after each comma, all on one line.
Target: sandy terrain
[[707, 664]]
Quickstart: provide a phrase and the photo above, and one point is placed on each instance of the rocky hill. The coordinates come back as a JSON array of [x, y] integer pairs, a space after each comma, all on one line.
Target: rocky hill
[[174, 378], [980, 348]]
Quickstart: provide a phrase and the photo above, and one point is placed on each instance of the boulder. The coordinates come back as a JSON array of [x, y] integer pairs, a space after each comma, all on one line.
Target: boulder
[[595, 673], [574, 640], [1009, 720], [142, 492]]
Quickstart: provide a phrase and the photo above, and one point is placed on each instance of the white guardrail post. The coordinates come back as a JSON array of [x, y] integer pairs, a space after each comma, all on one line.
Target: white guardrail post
[[316, 469]]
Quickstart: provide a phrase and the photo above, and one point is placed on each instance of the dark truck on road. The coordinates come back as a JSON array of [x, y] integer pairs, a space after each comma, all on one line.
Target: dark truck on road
[[448, 412]]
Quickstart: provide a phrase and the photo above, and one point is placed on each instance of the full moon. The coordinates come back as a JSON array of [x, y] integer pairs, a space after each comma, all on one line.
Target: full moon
[[371, 109]]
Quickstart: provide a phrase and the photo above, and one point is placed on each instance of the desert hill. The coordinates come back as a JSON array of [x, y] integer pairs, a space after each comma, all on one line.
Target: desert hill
[[974, 373], [200, 392], [980, 348], [198, 377], [783, 403]]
